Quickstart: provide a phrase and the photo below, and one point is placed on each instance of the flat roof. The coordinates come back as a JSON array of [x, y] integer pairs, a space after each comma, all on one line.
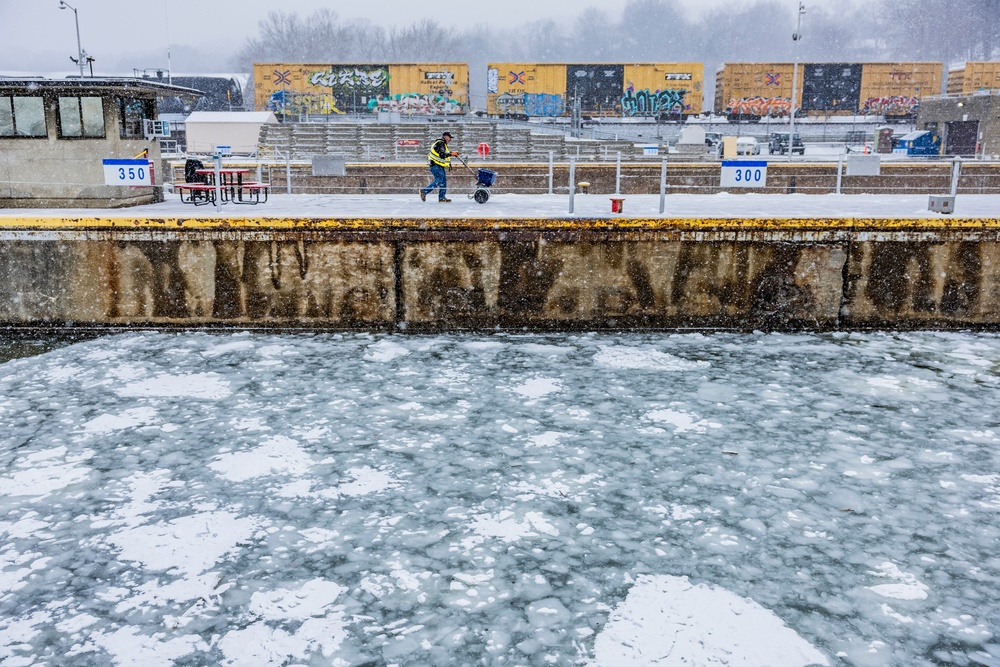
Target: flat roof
[[105, 84], [256, 117]]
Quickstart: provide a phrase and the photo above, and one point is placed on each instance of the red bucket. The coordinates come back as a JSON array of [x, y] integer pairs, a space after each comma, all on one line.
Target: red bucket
[[616, 205]]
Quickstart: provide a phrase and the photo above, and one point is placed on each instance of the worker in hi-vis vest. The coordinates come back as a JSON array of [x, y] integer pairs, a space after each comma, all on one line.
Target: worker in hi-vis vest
[[440, 158]]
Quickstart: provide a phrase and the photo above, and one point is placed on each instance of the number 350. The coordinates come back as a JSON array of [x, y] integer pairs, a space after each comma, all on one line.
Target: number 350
[[132, 173]]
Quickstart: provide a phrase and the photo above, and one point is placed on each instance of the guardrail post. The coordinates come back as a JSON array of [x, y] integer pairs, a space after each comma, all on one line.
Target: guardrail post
[[956, 173], [840, 170], [618, 174], [572, 180], [288, 172], [663, 185], [216, 166], [551, 160]]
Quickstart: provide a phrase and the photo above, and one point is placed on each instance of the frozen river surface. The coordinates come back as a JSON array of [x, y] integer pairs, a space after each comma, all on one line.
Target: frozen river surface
[[609, 500]]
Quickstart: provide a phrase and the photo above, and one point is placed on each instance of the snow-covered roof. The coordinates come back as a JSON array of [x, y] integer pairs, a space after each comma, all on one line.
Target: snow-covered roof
[[913, 135], [257, 117], [96, 84]]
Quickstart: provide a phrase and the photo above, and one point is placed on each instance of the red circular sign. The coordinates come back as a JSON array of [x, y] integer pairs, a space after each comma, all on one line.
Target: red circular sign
[[484, 149]]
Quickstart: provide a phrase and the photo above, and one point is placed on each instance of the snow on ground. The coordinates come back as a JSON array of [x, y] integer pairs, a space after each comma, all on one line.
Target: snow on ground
[[723, 205], [606, 500]]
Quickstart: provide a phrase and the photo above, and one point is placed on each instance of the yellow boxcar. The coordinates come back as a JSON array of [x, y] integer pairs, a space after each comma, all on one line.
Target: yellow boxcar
[[974, 77], [656, 89], [324, 88], [602, 89], [762, 89], [895, 89], [525, 89], [757, 89]]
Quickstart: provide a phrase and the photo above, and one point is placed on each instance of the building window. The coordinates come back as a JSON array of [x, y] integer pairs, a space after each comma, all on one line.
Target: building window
[[22, 117], [132, 113], [81, 117]]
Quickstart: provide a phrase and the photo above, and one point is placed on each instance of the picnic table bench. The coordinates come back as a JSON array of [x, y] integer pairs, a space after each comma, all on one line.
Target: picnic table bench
[[198, 193], [253, 191]]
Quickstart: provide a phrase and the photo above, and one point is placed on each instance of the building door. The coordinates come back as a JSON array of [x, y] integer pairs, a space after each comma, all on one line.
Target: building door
[[962, 137]]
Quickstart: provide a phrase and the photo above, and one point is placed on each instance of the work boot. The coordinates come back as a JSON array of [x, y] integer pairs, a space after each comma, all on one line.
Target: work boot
[[444, 200], [423, 196]]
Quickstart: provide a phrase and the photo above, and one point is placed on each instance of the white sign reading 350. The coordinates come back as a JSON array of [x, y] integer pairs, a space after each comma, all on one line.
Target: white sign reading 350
[[744, 174], [126, 172]]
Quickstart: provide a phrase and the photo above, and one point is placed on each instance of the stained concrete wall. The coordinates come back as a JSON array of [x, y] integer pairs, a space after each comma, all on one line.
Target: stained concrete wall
[[579, 278]]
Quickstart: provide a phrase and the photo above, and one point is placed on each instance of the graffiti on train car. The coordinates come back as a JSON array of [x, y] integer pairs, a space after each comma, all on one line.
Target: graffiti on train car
[[415, 103], [646, 103], [286, 102], [760, 106], [509, 103], [543, 104], [355, 79], [896, 104]]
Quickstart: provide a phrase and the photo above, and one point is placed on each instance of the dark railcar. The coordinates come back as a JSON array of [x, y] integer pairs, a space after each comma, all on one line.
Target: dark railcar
[[832, 87], [221, 94]]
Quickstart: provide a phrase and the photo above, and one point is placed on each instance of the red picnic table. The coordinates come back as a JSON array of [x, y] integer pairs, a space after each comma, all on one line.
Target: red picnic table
[[231, 183]]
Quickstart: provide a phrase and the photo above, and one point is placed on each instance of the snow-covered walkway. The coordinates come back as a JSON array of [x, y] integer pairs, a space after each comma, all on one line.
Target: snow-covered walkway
[[547, 206]]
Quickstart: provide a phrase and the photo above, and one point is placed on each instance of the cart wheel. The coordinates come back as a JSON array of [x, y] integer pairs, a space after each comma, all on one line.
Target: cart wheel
[[482, 196]]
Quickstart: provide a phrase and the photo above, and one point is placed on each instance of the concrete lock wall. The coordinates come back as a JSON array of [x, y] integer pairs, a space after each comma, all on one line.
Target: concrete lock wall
[[577, 277]]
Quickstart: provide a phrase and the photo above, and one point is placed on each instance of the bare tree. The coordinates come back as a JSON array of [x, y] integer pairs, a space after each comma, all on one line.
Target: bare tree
[[654, 30], [426, 41], [545, 41], [650, 30], [593, 37]]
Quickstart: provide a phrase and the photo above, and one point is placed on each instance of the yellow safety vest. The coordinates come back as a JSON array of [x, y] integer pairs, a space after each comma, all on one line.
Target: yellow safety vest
[[440, 154]]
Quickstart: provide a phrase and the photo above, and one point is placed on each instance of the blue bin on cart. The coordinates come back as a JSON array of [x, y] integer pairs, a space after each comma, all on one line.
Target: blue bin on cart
[[486, 177]]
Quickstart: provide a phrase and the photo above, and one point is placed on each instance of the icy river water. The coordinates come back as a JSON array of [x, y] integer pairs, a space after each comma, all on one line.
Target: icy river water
[[592, 499]]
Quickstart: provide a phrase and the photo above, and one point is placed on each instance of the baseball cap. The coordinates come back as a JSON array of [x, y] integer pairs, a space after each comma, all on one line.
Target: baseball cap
[[447, 134]]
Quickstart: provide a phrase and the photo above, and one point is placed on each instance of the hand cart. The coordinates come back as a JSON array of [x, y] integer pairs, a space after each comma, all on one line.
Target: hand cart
[[485, 178]]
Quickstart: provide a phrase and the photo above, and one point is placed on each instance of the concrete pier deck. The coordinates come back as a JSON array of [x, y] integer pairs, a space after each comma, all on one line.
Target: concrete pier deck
[[748, 209]]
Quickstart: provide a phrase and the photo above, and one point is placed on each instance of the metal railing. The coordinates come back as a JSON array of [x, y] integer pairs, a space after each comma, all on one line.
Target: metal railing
[[837, 175]]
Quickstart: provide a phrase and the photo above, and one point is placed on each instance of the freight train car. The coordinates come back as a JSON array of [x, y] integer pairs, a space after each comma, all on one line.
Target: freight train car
[[894, 90], [750, 91], [296, 89], [631, 90], [221, 93], [974, 77]]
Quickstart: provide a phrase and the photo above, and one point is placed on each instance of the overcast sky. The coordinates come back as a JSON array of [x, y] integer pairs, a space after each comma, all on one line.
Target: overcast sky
[[126, 34]]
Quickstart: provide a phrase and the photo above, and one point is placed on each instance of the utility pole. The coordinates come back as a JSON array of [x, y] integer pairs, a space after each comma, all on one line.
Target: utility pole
[[796, 38], [81, 57]]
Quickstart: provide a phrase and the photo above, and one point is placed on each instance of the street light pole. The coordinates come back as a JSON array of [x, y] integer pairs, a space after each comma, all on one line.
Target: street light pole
[[796, 37], [79, 49]]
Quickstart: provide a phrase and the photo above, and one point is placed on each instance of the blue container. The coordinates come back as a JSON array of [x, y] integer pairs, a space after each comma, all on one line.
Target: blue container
[[486, 177]]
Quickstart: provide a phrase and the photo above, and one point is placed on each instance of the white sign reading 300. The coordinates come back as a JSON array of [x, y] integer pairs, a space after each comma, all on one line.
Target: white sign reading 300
[[744, 174], [126, 172]]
